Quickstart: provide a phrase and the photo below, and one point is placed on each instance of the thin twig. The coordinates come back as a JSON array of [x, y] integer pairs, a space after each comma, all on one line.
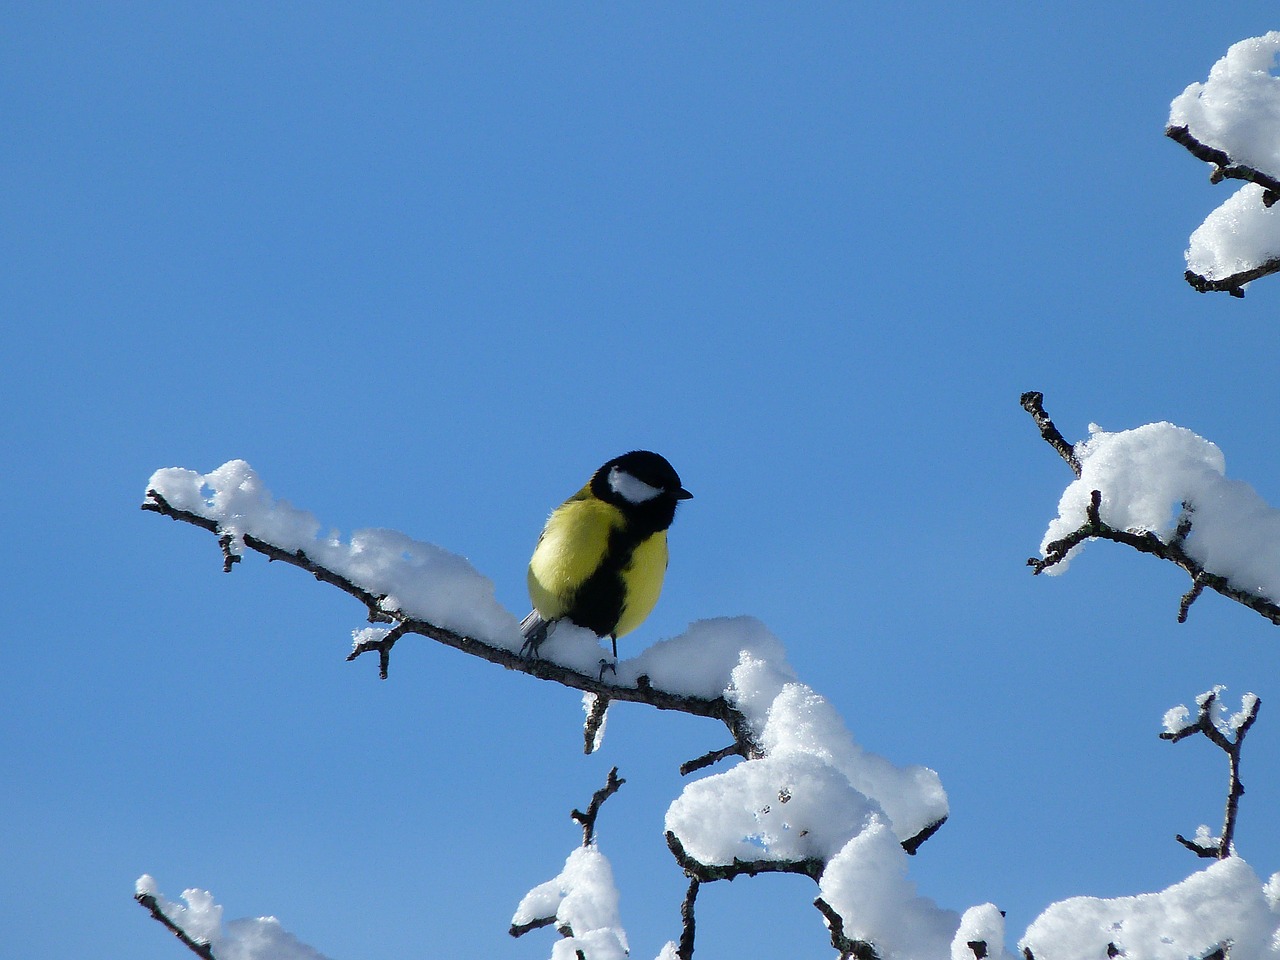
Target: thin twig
[[849, 949], [1033, 403], [707, 759], [588, 820], [1235, 788], [1224, 166], [200, 948], [684, 949], [595, 720]]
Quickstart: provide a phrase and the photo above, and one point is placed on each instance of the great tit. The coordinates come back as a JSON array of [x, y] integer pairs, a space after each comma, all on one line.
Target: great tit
[[602, 555]]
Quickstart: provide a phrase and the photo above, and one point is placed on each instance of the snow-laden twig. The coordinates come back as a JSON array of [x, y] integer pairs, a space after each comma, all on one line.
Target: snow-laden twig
[[581, 901], [1231, 121], [1176, 548], [1228, 736], [199, 925], [200, 948]]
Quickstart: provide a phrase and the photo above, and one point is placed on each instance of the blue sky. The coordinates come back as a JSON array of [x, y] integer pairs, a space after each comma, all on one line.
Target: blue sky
[[425, 267]]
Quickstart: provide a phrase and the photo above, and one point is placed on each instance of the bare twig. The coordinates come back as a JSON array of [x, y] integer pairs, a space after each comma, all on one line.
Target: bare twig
[[1224, 167], [1233, 284], [1235, 788], [595, 720], [199, 947], [1033, 403], [707, 759], [684, 950], [588, 820], [811, 867], [849, 949], [1144, 542]]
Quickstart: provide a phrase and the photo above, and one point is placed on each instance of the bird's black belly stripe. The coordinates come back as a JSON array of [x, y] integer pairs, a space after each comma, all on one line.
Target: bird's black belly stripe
[[598, 603]]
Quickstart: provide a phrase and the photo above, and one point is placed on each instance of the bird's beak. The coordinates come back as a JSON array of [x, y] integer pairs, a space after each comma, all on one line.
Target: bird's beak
[[683, 494]]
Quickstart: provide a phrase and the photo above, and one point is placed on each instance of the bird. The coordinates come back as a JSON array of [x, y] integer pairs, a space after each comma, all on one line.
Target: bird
[[602, 555]]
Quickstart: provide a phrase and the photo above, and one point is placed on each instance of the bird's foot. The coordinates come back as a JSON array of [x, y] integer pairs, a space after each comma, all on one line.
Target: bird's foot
[[611, 666]]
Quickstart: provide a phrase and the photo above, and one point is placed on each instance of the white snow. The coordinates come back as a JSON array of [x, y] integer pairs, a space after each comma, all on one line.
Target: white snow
[[866, 883], [1146, 474], [983, 924], [1239, 235], [584, 901], [419, 579], [1237, 110], [1224, 904], [261, 938]]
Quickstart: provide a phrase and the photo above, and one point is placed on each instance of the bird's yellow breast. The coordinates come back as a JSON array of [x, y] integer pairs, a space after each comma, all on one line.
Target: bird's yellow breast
[[643, 577], [573, 547]]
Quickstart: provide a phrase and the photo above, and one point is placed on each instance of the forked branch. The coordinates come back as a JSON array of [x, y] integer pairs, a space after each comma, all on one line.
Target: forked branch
[[1220, 848]]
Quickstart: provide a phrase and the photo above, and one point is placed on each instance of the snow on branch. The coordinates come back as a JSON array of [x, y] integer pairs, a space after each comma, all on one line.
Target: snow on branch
[[1224, 910], [1227, 734], [1232, 122], [198, 925], [803, 798], [1162, 490], [417, 587], [581, 901]]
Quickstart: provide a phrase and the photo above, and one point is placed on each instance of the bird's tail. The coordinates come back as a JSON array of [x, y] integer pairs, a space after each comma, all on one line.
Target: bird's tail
[[534, 630]]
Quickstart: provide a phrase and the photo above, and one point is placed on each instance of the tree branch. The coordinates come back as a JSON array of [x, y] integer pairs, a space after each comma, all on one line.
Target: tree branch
[[588, 820], [684, 949], [199, 947], [1224, 167], [849, 949], [717, 708], [1145, 542], [1235, 788], [1233, 284], [1033, 403], [811, 867]]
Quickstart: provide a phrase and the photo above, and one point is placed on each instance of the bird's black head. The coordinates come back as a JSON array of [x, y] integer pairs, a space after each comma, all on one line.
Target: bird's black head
[[642, 485]]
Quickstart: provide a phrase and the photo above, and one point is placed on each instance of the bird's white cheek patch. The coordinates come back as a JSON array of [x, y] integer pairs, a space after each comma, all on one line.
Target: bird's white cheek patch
[[630, 488]]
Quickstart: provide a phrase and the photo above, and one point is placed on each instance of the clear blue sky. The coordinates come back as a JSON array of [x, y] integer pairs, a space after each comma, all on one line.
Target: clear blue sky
[[425, 267]]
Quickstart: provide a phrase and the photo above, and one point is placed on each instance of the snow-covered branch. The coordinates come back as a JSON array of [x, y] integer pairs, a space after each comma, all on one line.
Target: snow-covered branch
[[1164, 492], [1232, 122], [1227, 734], [199, 926], [414, 586], [804, 797], [581, 901]]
